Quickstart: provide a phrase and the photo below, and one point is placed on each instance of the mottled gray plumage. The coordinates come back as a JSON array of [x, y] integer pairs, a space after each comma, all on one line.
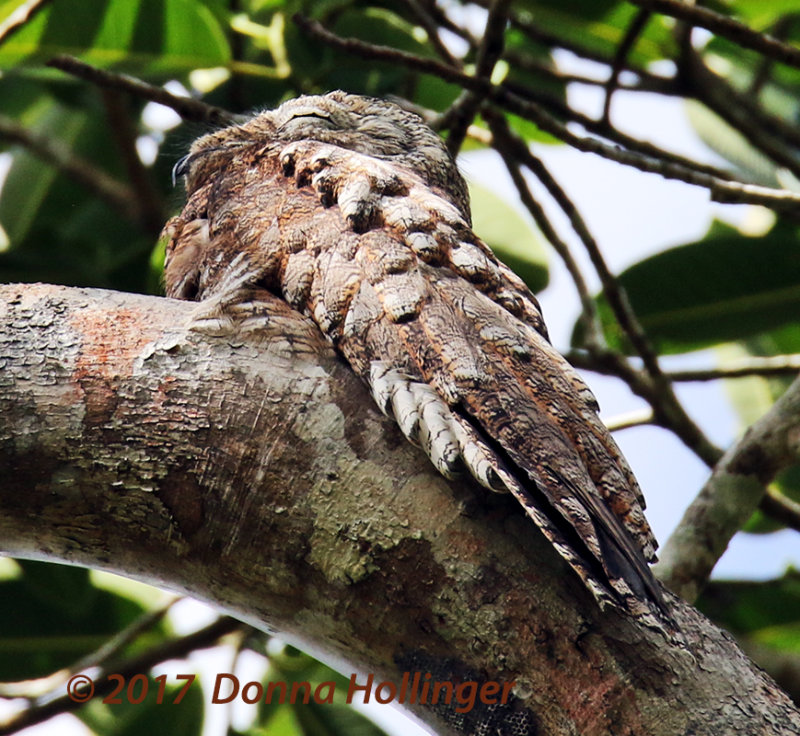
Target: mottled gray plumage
[[351, 210]]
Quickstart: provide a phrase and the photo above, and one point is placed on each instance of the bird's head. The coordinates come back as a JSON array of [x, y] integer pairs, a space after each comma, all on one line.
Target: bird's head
[[368, 125]]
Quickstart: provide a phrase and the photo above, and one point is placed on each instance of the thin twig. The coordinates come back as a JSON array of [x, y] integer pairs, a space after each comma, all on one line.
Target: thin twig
[[778, 365], [721, 190], [734, 490], [660, 85], [648, 82], [446, 22], [84, 172], [174, 649], [522, 21], [716, 94], [425, 19], [149, 203], [186, 107], [781, 508], [462, 112], [726, 27], [502, 136], [604, 129], [638, 418], [635, 29], [20, 17]]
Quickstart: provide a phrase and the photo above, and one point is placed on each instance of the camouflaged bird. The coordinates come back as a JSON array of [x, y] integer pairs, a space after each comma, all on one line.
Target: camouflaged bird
[[351, 210]]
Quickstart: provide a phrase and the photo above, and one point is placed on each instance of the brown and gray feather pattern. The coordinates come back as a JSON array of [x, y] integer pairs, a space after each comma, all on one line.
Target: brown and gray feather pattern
[[351, 210]]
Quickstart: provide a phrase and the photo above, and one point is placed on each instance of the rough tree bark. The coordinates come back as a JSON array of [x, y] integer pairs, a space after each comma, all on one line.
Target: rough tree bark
[[256, 475]]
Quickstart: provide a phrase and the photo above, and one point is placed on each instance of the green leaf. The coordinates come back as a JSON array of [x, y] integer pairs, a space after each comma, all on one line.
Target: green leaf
[[767, 612], [29, 179], [725, 287], [152, 37], [510, 235], [282, 722], [761, 15], [52, 616], [147, 707], [600, 27], [332, 719]]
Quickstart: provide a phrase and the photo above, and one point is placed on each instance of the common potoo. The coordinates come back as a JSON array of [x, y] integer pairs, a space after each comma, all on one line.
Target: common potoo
[[351, 210]]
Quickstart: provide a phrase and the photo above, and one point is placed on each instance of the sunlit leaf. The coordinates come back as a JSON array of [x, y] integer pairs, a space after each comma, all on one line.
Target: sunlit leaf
[[155, 37], [725, 287], [510, 235]]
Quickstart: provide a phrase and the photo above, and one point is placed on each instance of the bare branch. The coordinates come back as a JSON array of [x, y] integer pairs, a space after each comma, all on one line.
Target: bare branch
[[462, 112], [638, 418], [661, 85], [635, 29], [186, 107], [549, 40], [84, 172], [721, 190], [606, 130], [731, 494], [425, 19], [777, 365], [726, 27]]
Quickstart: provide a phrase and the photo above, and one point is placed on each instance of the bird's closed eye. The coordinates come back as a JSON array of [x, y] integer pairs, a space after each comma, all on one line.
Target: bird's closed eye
[[309, 116]]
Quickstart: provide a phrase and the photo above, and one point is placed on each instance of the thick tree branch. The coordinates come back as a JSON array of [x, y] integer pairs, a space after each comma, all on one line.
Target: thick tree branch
[[254, 473], [732, 493]]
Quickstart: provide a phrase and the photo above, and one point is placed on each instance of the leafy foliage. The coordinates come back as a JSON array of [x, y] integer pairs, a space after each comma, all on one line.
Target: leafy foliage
[[725, 287]]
